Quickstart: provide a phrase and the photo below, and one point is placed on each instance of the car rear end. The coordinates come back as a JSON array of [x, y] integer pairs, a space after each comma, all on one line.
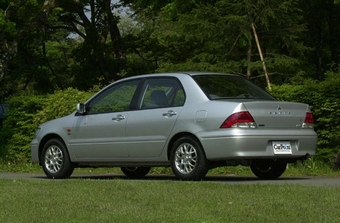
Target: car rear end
[[259, 130], [249, 124]]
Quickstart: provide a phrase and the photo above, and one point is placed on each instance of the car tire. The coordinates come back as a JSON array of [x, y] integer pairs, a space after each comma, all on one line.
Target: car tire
[[135, 172], [55, 160], [268, 170], [187, 158]]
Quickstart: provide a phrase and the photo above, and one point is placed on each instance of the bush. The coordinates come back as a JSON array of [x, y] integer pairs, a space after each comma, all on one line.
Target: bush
[[19, 126], [26, 113], [60, 103], [324, 100]]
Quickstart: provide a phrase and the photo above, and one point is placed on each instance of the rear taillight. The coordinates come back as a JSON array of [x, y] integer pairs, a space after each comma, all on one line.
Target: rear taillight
[[309, 121], [239, 120]]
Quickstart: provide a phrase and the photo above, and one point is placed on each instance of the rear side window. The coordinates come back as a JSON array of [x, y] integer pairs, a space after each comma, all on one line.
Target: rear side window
[[230, 87], [162, 92]]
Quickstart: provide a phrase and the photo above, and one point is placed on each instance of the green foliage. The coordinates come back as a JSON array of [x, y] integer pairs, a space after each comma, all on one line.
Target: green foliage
[[323, 34], [42, 50], [8, 32], [4, 135], [26, 113], [323, 98], [224, 67], [313, 166], [8, 28], [19, 126], [216, 35], [59, 104]]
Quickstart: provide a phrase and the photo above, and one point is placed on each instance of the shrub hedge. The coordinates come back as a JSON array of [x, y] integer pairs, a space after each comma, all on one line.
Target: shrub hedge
[[324, 100], [27, 112]]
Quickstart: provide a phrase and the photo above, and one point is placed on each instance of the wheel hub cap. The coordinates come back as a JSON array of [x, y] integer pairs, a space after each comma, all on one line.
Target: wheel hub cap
[[53, 159], [186, 158]]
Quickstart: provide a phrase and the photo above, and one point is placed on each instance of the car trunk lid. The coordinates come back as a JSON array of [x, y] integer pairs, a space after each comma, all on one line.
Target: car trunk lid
[[275, 114]]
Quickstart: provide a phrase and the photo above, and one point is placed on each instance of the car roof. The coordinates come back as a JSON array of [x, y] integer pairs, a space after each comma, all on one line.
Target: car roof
[[173, 74], [190, 73], [193, 73]]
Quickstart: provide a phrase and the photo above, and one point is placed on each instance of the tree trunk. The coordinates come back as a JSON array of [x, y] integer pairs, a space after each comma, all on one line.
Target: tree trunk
[[333, 35], [249, 53], [116, 38], [261, 56]]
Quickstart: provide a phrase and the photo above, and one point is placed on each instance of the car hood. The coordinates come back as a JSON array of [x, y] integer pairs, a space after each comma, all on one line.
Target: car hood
[[63, 122]]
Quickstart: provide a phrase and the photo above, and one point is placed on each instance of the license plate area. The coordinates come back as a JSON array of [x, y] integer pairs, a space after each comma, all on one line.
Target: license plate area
[[282, 147]]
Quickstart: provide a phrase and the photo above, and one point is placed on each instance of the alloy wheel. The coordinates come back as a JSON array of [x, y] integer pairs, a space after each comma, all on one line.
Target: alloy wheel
[[53, 159], [185, 158]]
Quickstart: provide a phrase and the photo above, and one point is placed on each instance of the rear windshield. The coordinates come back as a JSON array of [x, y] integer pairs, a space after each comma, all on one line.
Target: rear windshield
[[230, 87]]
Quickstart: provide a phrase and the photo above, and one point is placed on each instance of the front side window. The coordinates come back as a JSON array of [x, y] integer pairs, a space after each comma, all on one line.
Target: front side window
[[114, 99], [162, 92], [230, 87]]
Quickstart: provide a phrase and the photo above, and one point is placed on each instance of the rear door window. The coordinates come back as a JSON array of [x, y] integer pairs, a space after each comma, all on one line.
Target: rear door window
[[162, 92]]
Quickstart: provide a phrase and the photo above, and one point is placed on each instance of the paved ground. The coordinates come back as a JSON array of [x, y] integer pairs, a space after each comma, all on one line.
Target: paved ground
[[308, 181]]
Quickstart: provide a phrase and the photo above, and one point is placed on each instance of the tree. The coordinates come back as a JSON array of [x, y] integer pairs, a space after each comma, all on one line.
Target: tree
[[8, 32], [218, 32], [322, 18], [22, 35], [101, 55]]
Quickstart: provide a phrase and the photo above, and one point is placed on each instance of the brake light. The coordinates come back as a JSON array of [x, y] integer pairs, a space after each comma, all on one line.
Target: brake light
[[239, 120], [309, 121]]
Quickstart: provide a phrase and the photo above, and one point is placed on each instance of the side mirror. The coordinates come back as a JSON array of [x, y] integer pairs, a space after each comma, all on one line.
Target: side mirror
[[81, 108]]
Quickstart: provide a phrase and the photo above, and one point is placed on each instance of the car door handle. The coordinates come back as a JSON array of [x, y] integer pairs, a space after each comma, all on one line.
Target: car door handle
[[118, 118], [169, 114]]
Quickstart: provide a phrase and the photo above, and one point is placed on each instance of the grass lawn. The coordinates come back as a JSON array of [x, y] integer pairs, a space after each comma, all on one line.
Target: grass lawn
[[119, 200], [307, 168]]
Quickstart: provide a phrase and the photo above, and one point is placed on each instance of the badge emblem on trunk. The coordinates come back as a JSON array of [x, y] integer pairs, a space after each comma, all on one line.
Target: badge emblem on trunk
[[279, 107]]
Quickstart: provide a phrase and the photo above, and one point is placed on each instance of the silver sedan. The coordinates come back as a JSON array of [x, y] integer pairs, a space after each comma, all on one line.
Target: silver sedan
[[190, 121]]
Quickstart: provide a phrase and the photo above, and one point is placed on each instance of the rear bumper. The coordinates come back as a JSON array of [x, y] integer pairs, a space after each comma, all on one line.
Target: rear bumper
[[256, 144]]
